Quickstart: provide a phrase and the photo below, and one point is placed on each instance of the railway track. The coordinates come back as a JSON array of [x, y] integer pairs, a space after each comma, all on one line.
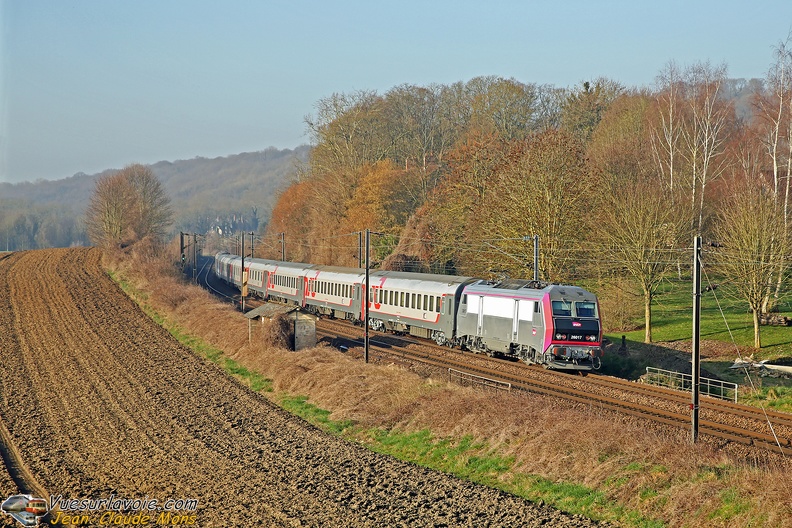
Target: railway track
[[723, 420], [749, 426]]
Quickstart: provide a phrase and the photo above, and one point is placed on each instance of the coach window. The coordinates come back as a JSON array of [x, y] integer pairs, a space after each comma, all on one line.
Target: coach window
[[438, 304]]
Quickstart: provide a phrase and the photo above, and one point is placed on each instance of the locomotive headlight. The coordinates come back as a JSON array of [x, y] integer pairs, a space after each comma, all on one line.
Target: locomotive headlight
[[561, 337], [591, 338]]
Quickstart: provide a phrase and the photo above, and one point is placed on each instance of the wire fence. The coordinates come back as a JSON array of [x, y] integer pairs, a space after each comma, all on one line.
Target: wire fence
[[723, 390]]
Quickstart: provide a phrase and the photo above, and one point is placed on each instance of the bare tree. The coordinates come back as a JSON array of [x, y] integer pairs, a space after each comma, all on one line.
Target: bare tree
[[152, 214], [665, 136], [542, 189], [126, 207], [773, 111], [642, 229], [107, 218], [750, 229], [705, 134]]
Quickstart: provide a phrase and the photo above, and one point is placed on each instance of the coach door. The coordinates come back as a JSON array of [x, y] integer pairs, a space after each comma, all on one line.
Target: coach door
[[516, 321], [480, 314]]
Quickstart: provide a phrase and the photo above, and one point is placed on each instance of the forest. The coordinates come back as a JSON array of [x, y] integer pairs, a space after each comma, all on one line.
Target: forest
[[615, 182], [231, 193]]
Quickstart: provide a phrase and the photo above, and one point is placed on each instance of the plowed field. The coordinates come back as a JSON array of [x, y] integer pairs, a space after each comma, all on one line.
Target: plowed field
[[98, 401]]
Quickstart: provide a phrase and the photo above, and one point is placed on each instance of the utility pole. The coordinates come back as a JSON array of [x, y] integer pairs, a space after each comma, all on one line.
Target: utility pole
[[195, 256], [360, 249], [536, 258], [366, 300], [252, 250], [242, 281], [283, 246], [695, 367]]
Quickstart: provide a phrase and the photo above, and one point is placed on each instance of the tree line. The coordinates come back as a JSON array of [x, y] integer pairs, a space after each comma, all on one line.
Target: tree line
[[457, 178]]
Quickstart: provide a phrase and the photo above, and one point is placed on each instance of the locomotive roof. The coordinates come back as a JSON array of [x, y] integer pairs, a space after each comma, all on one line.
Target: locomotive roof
[[431, 277], [525, 286]]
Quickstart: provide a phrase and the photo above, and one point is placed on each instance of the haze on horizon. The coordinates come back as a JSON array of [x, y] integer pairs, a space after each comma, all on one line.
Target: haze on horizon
[[91, 85]]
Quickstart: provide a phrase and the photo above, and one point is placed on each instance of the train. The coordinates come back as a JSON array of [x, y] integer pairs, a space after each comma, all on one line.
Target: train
[[554, 325]]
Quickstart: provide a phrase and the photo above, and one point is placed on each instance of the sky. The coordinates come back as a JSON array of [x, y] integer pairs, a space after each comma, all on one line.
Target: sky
[[89, 85]]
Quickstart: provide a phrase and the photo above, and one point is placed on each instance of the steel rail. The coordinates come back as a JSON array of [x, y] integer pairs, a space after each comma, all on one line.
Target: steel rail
[[715, 429]]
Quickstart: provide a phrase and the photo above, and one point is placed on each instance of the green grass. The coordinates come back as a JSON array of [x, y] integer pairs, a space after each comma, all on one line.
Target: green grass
[[672, 319], [732, 505], [724, 317], [298, 405], [775, 398], [477, 462]]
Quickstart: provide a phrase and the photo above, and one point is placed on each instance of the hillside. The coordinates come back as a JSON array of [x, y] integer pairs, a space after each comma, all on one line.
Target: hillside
[[49, 213]]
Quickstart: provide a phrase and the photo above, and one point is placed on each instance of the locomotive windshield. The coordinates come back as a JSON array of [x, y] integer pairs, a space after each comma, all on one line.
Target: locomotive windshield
[[586, 309], [562, 308], [582, 309]]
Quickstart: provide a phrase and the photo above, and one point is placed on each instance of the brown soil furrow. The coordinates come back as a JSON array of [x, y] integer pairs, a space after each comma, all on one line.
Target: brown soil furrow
[[15, 476], [100, 400]]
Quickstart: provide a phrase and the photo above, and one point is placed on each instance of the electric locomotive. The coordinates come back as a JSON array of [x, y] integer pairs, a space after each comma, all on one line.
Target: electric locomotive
[[554, 325]]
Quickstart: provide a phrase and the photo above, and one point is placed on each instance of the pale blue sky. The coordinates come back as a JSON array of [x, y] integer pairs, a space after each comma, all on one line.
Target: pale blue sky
[[87, 85]]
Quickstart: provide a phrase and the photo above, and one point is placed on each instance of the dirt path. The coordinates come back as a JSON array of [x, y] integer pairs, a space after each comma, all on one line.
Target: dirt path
[[99, 401]]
